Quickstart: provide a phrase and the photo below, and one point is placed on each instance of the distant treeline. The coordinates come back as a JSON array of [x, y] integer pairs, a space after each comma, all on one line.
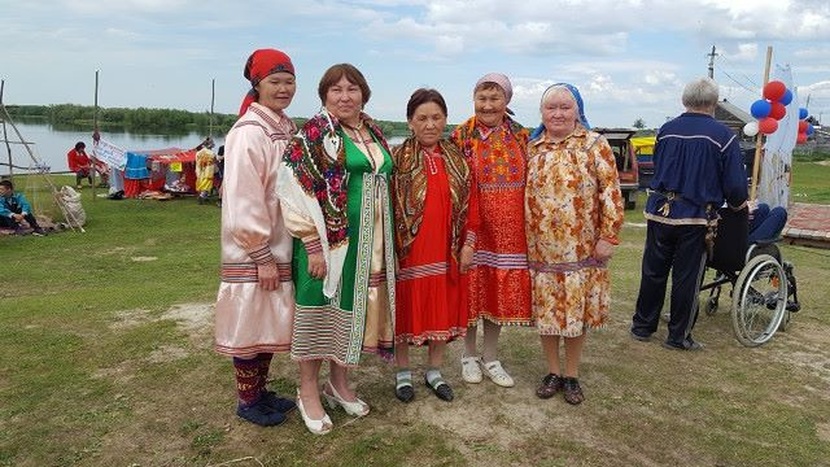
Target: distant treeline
[[144, 120]]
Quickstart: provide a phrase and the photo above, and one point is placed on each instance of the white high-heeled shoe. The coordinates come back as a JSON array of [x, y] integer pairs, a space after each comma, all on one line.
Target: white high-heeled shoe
[[358, 408], [318, 427]]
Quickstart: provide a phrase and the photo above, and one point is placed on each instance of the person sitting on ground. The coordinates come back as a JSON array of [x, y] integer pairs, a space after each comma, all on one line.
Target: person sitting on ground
[[15, 209], [765, 223], [78, 162]]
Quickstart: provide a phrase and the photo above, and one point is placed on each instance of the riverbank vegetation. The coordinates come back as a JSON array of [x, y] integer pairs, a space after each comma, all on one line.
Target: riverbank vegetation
[[147, 120]]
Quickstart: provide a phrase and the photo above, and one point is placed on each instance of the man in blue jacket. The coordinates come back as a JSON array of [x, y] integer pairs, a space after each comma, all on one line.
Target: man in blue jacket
[[698, 166], [14, 209]]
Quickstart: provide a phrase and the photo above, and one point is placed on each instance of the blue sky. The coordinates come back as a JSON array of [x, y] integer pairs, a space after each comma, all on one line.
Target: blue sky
[[630, 58]]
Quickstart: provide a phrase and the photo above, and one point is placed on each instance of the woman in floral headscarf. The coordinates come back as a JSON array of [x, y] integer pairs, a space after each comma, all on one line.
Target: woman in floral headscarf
[[574, 214], [334, 190], [254, 309], [495, 148]]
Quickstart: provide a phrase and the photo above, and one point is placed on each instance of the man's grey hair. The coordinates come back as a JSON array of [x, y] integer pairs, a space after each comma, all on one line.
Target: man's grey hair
[[700, 94]]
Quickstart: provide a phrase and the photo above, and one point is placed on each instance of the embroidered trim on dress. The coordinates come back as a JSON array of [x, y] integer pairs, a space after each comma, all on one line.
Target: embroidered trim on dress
[[261, 255], [424, 270], [500, 260], [568, 267], [238, 273]]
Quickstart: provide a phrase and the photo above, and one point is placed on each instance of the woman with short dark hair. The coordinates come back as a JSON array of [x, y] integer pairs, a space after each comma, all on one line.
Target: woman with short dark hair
[[334, 192], [431, 191]]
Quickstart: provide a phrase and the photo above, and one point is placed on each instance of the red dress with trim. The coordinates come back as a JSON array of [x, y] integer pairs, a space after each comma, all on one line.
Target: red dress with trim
[[430, 301]]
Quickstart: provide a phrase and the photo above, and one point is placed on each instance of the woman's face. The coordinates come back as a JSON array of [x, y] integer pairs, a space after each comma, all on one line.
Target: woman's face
[[559, 113], [490, 106], [277, 90], [344, 100], [427, 124]]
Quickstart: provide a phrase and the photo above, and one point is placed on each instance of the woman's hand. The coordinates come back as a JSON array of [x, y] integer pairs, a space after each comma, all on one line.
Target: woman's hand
[[269, 275], [316, 265], [603, 250], [465, 259]]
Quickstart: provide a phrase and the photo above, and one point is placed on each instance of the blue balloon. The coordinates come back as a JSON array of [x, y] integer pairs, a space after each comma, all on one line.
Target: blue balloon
[[803, 113], [787, 97], [810, 129], [760, 108]]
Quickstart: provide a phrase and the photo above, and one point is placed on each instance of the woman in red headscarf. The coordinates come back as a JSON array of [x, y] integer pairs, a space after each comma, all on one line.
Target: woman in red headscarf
[[255, 304]]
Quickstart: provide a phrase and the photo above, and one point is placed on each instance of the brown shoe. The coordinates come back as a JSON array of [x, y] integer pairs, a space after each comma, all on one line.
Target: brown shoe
[[573, 393], [551, 384]]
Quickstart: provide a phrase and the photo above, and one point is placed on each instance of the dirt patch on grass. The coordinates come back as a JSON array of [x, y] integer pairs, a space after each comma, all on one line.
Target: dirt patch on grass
[[143, 259], [191, 316]]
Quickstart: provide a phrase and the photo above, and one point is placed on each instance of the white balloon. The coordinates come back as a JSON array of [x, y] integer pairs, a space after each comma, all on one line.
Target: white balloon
[[751, 128]]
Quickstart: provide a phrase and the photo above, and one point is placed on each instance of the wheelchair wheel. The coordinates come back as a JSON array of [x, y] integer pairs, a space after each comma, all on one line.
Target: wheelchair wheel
[[759, 300]]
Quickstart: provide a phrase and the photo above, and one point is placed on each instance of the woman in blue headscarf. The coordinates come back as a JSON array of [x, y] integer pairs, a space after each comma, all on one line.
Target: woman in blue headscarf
[[574, 212]]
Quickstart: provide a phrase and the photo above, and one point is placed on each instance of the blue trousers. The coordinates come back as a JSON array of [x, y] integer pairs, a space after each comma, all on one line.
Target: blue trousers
[[681, 251], [766, 223]]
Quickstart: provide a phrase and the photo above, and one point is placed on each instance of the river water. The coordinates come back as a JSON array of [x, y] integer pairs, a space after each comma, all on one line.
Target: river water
[[50, 144]]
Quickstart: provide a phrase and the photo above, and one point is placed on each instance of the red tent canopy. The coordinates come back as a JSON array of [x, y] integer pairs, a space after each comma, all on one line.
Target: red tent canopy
[[168, 155]]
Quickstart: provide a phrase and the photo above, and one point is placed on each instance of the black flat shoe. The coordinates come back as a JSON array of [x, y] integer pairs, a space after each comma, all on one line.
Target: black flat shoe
[[688, 344], [573, 392], [260, 414], [551, 384], [405, 393], [277, 403], [442, 390]]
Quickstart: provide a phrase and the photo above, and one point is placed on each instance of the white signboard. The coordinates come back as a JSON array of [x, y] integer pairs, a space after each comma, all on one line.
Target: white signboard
[[110, 154], [776, 165]]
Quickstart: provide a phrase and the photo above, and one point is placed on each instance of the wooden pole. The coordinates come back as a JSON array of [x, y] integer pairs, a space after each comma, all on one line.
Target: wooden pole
[[6, 134], [212, 100], [94, 167], [759, 139]]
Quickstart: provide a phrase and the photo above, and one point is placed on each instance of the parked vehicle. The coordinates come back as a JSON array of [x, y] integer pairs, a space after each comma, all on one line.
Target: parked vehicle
[[644, 150], [620, 141]]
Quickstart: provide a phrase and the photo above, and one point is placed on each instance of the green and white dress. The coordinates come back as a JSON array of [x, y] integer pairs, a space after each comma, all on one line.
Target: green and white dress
[[335, 197]]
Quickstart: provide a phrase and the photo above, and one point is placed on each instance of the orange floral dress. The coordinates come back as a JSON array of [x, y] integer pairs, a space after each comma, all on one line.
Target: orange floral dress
[[573, 200], [499, 281]]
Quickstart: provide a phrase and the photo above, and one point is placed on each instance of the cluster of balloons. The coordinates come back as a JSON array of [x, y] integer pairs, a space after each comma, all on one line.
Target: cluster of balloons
[[805, 128], [770, 109]]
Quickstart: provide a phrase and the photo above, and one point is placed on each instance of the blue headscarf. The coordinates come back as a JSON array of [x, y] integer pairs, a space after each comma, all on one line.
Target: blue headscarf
[[579, 104]]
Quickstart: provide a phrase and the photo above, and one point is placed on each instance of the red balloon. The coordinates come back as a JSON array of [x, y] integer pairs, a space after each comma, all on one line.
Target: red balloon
[[802, 138], [767, 125], [777, 111], [802, 126], [774, 90]]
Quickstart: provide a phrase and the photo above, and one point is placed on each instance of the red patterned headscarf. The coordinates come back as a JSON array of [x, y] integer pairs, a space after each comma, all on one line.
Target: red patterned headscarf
[[262, 63]]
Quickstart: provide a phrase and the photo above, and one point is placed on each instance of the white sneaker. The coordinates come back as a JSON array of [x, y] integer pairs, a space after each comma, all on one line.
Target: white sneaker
[[497, 374], [471, 369]]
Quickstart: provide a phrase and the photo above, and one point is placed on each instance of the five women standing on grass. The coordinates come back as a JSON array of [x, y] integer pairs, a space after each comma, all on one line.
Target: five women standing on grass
[[458, 225]]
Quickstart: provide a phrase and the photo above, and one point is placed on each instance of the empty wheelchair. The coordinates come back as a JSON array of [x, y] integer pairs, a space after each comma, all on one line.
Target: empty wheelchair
[[764, 289]]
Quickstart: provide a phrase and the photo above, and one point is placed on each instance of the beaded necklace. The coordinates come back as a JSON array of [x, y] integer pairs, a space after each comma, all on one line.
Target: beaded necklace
[[357, 136]]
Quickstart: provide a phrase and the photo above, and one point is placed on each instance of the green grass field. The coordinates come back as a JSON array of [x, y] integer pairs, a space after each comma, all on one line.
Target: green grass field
[[107, 359]]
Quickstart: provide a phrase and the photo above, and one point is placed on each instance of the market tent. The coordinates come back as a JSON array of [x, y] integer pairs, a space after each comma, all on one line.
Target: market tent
[[168, 169]]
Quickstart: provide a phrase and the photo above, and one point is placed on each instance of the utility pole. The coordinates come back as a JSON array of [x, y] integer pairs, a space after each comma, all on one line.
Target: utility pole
[[712, 56]]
